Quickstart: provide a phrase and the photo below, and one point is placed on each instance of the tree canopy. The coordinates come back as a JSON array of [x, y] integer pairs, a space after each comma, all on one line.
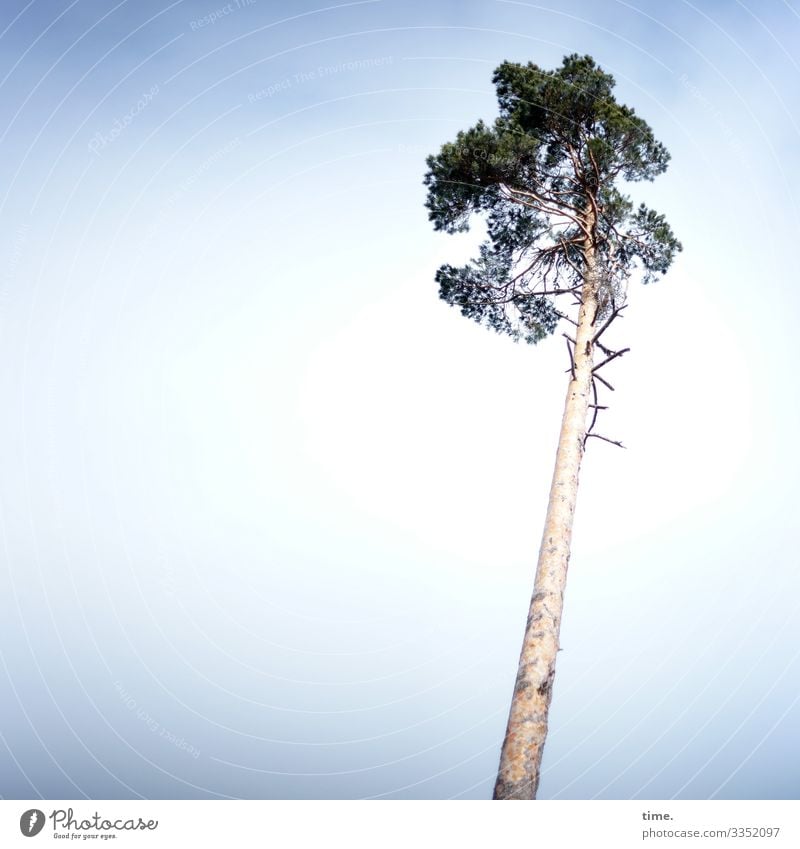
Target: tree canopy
[[546, 178]]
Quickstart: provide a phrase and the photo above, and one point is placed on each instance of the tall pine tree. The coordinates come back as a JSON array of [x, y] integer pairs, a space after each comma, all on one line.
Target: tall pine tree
[[563, 242]]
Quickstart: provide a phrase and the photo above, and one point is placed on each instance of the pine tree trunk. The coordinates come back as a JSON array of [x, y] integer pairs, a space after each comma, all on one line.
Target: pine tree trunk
[[521, 757]]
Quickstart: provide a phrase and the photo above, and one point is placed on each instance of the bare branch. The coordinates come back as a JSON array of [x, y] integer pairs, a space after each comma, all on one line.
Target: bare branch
[[566, 318], [596, 410], [605, 439], [612, 357], [571, 355], [615, 312], [603, 381]]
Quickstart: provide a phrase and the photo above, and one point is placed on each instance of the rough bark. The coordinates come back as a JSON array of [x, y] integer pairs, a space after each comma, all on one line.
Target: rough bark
[[521, 757]]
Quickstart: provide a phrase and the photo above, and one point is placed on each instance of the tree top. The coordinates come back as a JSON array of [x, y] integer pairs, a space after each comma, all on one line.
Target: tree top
[[545, 177]]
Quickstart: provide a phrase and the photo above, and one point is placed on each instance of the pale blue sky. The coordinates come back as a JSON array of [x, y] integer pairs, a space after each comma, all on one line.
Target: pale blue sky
[[270, 511]]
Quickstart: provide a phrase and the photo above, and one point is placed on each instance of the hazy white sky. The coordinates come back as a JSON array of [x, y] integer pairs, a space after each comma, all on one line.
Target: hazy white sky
[[260, 480]]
